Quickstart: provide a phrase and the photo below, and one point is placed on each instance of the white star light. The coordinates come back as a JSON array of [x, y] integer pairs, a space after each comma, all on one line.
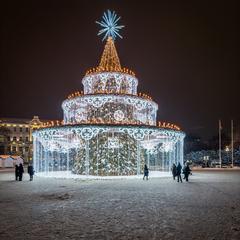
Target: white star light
[[109, 25]]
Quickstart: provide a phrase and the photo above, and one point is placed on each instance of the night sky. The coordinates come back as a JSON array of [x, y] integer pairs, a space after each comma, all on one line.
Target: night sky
[[184, 53]]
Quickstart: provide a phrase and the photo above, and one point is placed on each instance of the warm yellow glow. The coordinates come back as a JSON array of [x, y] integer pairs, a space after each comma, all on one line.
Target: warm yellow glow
[[227, 149], [168, 125], [80, 93], [111, 122], [98, 70], [110, 61]]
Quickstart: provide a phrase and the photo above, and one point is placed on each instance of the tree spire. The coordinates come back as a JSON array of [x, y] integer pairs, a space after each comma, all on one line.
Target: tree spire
[[109, 60]]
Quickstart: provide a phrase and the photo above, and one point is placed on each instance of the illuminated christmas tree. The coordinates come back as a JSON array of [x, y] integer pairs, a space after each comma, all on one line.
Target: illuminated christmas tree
[[109, 129]]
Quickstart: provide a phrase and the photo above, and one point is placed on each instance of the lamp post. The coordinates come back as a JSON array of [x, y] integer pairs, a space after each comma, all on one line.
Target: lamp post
[[232, 141], [220, 148]]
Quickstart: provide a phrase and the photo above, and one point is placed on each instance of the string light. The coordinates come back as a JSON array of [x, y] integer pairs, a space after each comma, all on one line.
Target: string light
[[80, 93], [99, 121], [109, 69]]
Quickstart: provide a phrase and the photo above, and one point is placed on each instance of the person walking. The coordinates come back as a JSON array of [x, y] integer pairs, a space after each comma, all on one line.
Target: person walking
[[174, 170], [21, 171], [146, 172], [186, 171], [179, 171], [16, 172], [30, 171]]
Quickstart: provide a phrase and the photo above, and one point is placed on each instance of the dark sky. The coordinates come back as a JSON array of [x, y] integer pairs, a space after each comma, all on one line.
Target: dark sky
[[185, 55]]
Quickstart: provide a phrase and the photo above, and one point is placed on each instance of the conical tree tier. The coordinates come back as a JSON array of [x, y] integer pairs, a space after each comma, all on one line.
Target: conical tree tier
[[109, 60]]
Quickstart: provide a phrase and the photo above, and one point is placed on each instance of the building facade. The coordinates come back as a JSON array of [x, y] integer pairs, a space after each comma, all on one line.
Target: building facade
[[16, 136]]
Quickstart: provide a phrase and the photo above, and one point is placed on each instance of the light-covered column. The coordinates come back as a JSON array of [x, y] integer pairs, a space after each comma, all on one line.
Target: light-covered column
[[45, 160], [138, 157], [41, 158], [58, 156], [148, 158], [68, 153], [35, 153], [87, 157], [97, 155], [181, 148], [177, 151]]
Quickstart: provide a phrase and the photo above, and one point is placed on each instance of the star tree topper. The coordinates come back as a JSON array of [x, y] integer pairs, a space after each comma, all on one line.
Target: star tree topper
[[109, 25]]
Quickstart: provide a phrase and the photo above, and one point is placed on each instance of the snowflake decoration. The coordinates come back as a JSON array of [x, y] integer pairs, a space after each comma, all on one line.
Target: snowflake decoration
[[80, 115], [166, 147], [113, 143], [118, 115], [109, 25]]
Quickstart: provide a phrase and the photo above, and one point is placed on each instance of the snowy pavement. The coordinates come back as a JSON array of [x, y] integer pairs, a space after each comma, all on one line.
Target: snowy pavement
[[208, 207], [68, 174]]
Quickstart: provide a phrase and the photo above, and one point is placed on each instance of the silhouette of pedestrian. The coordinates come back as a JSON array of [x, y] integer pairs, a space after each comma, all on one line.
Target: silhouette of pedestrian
[[146, 172], [186, 171], [16, 172], [174, 170], [30, 171], [178, 172], [21, 171]]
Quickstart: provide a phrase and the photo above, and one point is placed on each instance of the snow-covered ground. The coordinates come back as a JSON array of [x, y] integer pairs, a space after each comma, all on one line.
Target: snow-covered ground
[[208, 207], [68, 174]]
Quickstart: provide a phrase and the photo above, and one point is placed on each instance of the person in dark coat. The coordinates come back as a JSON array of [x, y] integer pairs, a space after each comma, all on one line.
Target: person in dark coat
[[16, 172], [186, 171], [21, 171], [30, 171], [146, 172], [178, 172], [174, 170]]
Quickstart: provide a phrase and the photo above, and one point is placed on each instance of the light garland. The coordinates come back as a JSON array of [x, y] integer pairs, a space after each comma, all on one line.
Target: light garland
[[104, 92], [57, 123], [109, 69], [87, 131]]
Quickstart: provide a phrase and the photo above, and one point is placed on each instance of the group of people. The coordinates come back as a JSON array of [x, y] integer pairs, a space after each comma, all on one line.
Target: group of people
[[177, 170], [19, 170]]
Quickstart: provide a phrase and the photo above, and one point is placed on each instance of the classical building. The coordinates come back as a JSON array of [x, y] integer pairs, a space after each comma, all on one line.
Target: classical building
[[16, 136]]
